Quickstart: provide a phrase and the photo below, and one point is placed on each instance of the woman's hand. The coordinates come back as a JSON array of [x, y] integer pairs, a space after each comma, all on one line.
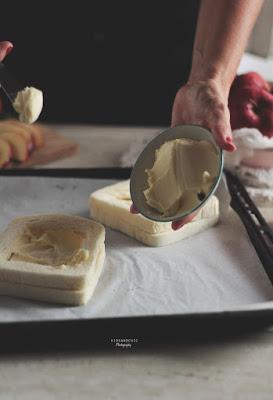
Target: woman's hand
[[204, 103], [5, 48], [222, 32]]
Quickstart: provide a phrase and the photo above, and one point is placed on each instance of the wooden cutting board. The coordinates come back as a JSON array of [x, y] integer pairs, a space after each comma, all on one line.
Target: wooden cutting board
[[56, 147]]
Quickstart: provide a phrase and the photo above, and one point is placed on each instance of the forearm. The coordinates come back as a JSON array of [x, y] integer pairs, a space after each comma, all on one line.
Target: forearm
[[222, 32]]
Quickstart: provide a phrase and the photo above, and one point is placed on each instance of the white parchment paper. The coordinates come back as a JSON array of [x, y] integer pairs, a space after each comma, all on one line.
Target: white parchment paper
[[217, 270]]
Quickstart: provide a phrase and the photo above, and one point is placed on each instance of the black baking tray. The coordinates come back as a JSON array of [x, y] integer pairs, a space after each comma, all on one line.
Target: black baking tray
[[146, 330]]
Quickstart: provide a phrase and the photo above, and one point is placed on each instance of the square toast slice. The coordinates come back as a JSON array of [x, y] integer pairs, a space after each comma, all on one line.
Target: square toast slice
[[71, 243], [111, 207], [52, 295]]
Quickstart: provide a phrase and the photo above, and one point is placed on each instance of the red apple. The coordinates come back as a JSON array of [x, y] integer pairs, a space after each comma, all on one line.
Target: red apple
[[267, 121], [251, 107], [250, 79]]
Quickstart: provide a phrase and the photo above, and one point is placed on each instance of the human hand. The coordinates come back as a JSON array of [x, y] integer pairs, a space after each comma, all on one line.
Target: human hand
[[204, 103], [5, 48]]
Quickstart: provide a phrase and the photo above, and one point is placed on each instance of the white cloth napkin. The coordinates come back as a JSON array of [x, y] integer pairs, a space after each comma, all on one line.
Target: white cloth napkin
[[247, 141], [259, 182]]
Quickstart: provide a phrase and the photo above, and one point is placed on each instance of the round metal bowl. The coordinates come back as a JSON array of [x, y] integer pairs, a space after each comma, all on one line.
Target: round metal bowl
[[138, 180]]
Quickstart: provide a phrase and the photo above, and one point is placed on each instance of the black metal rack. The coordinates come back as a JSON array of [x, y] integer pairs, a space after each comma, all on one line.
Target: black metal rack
[[259, 232]]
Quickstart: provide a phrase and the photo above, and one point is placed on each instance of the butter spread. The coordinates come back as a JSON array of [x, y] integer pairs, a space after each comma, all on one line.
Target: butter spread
[[50, 247], [28, 104], [182, 175]]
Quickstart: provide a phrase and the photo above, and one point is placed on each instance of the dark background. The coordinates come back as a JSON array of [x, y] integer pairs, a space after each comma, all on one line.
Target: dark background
[[104, 62]]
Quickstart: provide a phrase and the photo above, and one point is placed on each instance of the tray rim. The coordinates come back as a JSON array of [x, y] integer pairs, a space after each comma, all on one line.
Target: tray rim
[[174, 329]]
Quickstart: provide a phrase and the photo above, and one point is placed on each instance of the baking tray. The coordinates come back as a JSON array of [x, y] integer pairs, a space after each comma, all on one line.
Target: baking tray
[[146, 329]]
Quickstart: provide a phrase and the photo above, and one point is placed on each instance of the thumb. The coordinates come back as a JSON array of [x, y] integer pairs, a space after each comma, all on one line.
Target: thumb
[[133, 209], [223, 136]]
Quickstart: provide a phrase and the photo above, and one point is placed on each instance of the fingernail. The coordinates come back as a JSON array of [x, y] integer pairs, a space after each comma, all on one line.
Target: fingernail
[[229, 146], [177, 225], [9, 50], [133, 209]]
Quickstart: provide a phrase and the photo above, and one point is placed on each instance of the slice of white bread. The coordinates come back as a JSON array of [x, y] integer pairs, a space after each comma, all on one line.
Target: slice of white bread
[[52, 295], [69, 277], [111, 205]]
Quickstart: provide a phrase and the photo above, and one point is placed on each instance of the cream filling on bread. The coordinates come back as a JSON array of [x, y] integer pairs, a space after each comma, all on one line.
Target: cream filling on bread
[[56, 248]]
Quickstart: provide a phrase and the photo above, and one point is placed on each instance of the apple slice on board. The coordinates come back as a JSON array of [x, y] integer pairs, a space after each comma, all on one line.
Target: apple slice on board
[[10, 127], [33, 129], [5, 153], [18, 144], [37, 135]]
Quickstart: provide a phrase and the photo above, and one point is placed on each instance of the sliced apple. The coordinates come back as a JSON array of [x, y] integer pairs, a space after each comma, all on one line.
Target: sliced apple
[[6, 126], [18, 144], [5, 153], [37, 135], [34, 130]]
